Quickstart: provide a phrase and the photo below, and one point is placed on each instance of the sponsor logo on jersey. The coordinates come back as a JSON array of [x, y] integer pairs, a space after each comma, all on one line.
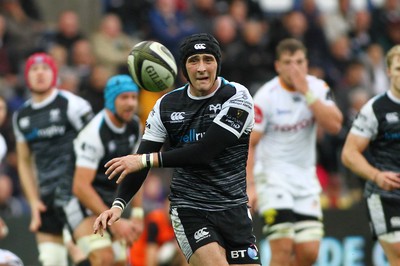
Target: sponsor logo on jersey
[[24, 122], [214, 108], [201, 234], [392, 117], [177, 116], [112, 146], [392, 135], [294, 127], [55, 115], [235, 118], [47, 132], [192, 136]]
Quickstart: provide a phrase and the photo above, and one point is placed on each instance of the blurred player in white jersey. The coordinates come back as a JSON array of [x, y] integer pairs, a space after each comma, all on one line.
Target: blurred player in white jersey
[[377, 128], [282, 156]]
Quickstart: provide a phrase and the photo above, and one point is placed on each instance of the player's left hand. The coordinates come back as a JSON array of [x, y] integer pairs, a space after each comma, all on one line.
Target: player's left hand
[[123, 166], [106, 218]]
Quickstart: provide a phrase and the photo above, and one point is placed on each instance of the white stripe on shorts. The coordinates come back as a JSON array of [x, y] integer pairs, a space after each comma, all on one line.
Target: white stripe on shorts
[[180, 234]]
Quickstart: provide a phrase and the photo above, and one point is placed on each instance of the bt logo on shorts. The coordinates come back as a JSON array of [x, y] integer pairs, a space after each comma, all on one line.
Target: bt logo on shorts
[[201, 234], [252, 252]]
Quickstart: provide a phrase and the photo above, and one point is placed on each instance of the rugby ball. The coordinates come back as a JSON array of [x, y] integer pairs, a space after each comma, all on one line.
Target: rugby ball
[[152, 66]]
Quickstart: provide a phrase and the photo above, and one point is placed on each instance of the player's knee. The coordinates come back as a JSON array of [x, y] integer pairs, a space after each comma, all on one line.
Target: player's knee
[[97, 248], [120, 254], [278, 231], [52, 254], [306, 231]]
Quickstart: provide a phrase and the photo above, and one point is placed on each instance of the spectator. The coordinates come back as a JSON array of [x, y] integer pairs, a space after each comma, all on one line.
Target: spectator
[[111, 45], [169, 25], [93, 89]]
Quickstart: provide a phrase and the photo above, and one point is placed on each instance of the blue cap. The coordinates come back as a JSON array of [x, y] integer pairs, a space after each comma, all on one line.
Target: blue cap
[[115, 86]]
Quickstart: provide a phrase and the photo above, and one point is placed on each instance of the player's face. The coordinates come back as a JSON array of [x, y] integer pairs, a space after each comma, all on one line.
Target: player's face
[[126, 104], [287, 61], [394, 74], [40, 77], [202, 71]]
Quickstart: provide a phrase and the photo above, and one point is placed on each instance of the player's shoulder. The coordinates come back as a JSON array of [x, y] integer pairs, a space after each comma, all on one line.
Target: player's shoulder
[[93, 127], [71, 96], [268, 87], [317, 83]]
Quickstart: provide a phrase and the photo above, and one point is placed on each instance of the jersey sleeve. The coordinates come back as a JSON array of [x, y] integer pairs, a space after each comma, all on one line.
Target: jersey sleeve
[[154, 129], [139, 134], [79, 111], [88, 147], [366, 123], [260, 110], [19, 137], [237, 113], [321, 89]]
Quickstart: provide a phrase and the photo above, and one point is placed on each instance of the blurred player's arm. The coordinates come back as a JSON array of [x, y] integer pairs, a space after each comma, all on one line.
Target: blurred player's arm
[[353, 158], [26, 172], [254, 140], [84, 191]]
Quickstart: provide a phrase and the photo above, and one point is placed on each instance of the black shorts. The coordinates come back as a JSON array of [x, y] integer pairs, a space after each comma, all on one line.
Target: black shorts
[[383, 214], [53, 219], [232, 229]]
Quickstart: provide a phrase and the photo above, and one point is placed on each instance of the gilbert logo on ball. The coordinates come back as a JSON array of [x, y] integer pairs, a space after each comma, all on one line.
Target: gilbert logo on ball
[[152, 66]]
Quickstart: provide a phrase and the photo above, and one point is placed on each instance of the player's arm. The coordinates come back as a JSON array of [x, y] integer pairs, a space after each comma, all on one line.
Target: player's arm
[[353, 158], [84, 191], [254, 140], [329, 117], [26, 172]]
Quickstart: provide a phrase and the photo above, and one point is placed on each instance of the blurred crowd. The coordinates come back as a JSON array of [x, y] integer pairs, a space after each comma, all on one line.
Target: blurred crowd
[[90, 40]]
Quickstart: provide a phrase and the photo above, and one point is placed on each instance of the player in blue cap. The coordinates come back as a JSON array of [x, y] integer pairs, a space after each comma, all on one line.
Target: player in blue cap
[[114, 131]]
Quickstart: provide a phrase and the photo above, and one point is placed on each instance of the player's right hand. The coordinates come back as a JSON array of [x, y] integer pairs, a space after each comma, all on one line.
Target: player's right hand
[[106, 218], [388, 180], [36, 208], [124, 229]]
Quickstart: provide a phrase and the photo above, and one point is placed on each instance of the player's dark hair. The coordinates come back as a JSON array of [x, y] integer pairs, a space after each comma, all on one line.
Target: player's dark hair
[[290, 45]]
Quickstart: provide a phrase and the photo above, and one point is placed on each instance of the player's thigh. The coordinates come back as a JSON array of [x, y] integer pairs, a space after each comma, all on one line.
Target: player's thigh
[[193, 230], [85, 227], [383, 215], [210, 254]]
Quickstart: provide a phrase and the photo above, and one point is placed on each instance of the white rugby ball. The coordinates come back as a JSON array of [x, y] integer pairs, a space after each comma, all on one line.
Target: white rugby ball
[[152, 66]]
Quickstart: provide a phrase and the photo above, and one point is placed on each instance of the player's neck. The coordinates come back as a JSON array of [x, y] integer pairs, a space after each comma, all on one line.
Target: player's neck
[[38, 97], [117, 122]]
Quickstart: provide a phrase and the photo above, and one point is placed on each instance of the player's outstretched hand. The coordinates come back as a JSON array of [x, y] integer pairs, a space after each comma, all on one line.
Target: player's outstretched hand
[[123, 165], [106, 218]]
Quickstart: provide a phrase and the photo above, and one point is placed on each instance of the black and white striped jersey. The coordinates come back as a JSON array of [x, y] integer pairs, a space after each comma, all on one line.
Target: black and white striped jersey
[[182, 119], [101, 141], [49, 128], [379, 121]]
